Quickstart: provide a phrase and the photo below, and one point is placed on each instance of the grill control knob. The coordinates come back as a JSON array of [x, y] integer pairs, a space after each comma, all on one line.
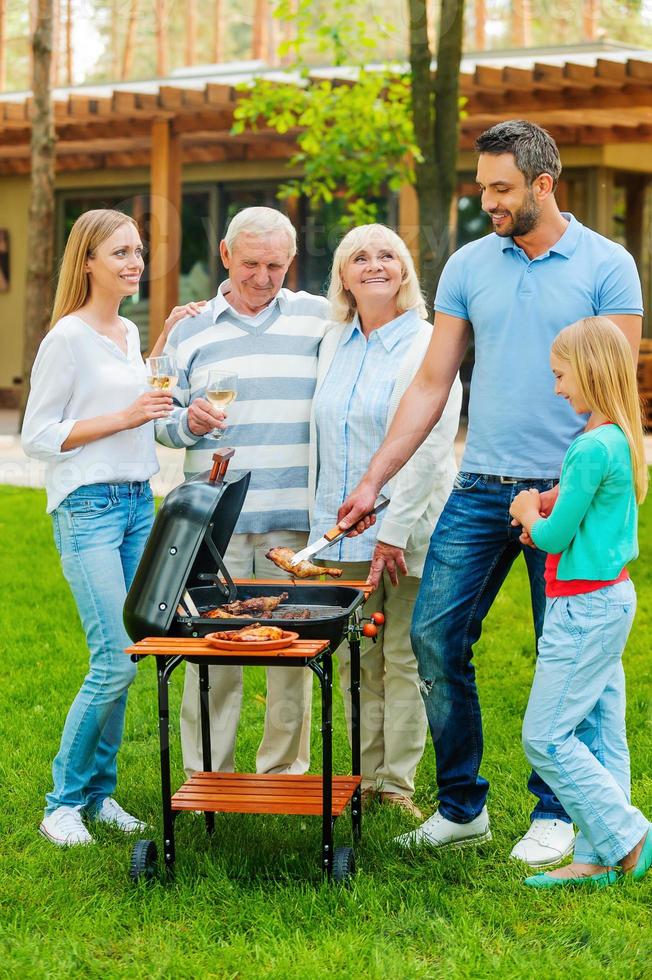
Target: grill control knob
[[162, 605]]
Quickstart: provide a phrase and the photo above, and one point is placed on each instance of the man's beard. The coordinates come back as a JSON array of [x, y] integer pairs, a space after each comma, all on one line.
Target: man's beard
[[526, 218]]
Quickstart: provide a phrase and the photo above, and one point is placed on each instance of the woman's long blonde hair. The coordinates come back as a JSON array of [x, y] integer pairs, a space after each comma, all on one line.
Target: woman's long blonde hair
[[601, 360], [343, 306], [88, 232]]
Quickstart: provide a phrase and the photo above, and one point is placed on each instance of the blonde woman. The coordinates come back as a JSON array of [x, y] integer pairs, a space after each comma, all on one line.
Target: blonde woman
[[574, 728], [366, 361], [90, 418]]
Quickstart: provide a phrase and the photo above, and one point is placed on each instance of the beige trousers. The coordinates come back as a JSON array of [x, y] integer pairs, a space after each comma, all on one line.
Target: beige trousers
[[392, 713], [285, 746]]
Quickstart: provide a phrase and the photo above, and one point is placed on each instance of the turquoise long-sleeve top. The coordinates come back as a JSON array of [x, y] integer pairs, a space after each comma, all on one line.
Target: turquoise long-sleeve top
[[594, 522]]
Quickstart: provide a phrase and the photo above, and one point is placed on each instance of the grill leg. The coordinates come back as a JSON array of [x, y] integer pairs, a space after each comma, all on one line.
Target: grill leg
[[204, 716], [326, 681], [356, 799], [164, 745]]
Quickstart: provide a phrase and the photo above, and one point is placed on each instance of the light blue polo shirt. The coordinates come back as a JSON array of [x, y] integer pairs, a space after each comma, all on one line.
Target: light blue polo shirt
[[516, 307]]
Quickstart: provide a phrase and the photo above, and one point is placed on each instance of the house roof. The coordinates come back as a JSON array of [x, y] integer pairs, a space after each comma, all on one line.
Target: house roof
[[583, 94]]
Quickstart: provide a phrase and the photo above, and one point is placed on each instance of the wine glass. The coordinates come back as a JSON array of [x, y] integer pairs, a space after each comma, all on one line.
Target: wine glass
[[221, 390], [162, 372]]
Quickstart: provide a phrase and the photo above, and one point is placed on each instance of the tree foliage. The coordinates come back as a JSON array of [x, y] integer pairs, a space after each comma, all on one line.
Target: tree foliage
[[355, 139]]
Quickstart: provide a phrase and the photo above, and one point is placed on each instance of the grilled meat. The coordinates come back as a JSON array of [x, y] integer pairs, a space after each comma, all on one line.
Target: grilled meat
[[247, 608], [251, 634], [305, 569]]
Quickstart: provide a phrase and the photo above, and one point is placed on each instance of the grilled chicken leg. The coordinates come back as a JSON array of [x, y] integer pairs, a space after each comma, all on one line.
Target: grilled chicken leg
[[256, 606], [305, 569]]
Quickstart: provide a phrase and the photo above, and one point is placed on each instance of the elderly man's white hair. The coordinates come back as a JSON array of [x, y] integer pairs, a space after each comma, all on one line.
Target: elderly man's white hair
[[261, 221]]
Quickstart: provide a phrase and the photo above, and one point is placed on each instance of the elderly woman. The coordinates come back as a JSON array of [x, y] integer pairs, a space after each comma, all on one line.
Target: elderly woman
[[366, 361]]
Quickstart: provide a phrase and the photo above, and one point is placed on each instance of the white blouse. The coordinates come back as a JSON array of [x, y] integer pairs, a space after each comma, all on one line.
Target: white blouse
[[79, 374]]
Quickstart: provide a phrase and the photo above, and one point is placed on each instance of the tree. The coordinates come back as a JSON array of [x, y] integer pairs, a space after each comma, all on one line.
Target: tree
[[435, 111], [354, 139], [40, 222]]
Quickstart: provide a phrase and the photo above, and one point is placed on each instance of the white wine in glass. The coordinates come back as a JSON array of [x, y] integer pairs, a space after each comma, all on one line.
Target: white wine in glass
[[221, 390], [162, 372]]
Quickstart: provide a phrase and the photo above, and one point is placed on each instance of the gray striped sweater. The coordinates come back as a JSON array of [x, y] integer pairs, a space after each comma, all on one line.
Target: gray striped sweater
[[275, 358]]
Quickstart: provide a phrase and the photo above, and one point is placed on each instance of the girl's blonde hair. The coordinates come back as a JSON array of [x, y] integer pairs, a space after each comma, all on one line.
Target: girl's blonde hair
[[88, 232], [601, 360], [343, 307]]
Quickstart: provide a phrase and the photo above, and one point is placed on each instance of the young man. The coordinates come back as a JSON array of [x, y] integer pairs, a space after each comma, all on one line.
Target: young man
[[269, 336], [515, 289]]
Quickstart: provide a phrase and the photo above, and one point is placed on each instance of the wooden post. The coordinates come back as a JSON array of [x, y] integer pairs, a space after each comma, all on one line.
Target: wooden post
[[130, 39], [590, 18], [480, 26], [165, 238], [191, 32], [3, 41], [218, 31], [259, 30], [408, 220], [69, 72], [522, 24], [161, 38], [600, 204]]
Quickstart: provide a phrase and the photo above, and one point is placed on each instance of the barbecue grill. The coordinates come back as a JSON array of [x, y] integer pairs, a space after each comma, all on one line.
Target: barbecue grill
[[181, 576]]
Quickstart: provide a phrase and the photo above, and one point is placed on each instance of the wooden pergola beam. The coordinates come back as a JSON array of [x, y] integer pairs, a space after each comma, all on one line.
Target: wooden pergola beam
[[165, 237]]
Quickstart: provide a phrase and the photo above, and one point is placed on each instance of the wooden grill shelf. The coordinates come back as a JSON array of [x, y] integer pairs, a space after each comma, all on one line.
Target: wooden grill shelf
[[227, 792], [170, 646]]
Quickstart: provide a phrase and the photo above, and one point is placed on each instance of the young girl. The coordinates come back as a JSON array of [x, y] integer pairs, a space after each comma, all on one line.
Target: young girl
[[574, 727], [90, 418]]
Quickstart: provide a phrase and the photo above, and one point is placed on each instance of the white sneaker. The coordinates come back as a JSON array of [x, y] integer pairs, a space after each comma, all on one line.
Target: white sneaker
[[546, 843], [112, 813], [437, 831], [64, 827]]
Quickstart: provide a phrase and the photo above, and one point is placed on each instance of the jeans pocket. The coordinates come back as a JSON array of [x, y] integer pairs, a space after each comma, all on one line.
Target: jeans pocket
[[85, 508], [466, 481], [574, 614], [617, 625]]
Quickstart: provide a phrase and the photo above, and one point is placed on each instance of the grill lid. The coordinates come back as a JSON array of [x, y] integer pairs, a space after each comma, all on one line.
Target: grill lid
[[190, 535]]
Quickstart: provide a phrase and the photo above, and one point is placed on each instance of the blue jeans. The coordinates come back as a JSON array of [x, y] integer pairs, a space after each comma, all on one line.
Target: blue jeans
[[574, 727], [471, 551], [100, 531]]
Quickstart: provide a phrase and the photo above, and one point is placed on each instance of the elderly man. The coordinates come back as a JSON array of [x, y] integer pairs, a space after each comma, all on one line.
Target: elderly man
[[269, 336]]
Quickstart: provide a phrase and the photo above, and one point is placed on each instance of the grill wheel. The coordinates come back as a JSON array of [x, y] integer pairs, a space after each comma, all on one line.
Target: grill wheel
[[343, 865], [143, 861]]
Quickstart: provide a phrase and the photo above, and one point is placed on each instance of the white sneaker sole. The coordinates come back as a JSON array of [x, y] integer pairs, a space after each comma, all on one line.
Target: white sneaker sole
[[63, 843], [545, 863], [431, 846]]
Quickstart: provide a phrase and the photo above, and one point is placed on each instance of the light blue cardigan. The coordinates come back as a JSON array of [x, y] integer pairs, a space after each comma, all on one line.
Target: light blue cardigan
[[421, 488]]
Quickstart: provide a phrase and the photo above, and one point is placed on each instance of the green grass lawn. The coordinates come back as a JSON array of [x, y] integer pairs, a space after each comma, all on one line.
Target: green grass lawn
[[250, 903]]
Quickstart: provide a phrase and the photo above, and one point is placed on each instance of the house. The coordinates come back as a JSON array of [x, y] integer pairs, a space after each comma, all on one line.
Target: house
[[162, 150]]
